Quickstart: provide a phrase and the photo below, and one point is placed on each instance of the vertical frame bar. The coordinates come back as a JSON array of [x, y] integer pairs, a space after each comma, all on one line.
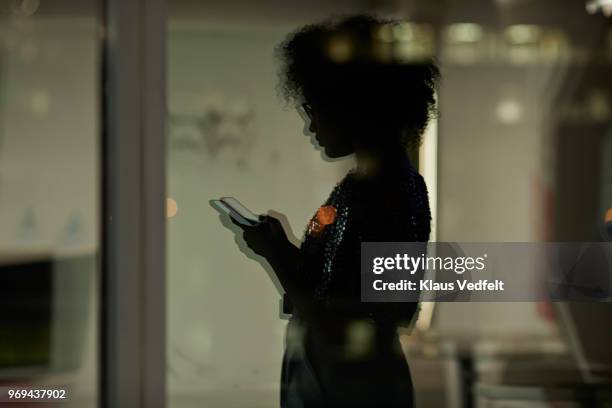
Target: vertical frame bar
[[154, 234], [133, 225]]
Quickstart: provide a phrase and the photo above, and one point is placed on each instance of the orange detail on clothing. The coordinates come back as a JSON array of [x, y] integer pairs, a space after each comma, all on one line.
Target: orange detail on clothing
[[325, 215]]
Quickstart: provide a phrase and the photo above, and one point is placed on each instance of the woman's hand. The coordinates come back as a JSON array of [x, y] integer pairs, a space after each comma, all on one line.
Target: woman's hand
[[267, 238]]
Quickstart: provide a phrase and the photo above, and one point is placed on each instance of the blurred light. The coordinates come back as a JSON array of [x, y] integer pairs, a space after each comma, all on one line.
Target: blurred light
[[509, 111], [593, 6], [360, 337], [403, 32], [522, 34], [465, 32], [525, 43], [463, 43], [385, 33], [411, 52], [171, 207], [598, 105], [39, 103], [415, 42], [25, 8], [340, 49], [608, 216]]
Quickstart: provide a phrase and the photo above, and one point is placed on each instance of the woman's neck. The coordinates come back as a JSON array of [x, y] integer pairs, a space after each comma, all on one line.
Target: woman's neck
[[380, 161]]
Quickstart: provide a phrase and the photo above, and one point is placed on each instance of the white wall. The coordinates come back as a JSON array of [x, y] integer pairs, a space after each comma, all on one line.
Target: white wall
[[225, 336]]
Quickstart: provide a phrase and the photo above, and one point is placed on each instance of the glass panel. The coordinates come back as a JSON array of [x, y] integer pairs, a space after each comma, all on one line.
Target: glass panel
[[519, 152], [229, 135], [49, 197]]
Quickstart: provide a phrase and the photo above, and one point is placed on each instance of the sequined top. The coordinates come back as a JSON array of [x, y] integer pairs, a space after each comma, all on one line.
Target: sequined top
[[393, 207]]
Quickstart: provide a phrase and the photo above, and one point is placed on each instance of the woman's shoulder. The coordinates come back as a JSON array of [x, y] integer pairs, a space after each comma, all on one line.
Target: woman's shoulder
[[390, 190], [396, 208]]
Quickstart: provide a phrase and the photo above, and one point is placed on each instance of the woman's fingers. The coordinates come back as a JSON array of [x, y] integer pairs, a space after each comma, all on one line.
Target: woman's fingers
[[275, 228], [263, 237], [256, 236]]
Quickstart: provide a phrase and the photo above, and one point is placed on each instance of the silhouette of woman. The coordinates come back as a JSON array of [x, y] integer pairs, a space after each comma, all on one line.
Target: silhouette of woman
[[362, 96]]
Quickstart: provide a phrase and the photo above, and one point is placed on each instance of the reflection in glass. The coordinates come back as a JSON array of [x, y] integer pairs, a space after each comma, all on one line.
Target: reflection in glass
[[49, 183], [518, 155]]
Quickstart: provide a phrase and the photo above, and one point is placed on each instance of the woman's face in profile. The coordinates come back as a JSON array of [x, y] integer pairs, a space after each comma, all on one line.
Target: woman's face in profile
[[326, 132]]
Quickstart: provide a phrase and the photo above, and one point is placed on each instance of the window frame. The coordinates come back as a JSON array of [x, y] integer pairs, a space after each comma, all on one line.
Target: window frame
[[133, 309]]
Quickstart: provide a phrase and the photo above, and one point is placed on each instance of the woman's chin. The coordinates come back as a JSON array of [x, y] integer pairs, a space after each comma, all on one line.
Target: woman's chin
[[329, 154]]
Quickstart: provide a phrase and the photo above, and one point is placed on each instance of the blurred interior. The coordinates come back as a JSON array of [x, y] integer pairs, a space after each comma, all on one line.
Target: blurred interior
[[521, 152], [49, 197], [524, 117]]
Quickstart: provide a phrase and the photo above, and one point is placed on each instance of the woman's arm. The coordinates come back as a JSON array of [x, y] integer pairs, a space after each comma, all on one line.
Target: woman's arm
[[269, 240]]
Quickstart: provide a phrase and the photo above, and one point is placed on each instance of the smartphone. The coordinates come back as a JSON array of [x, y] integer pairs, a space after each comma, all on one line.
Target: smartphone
[[235, 209]]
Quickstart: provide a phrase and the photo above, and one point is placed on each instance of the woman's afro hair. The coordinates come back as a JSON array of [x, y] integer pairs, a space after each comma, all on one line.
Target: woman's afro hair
[[355, 67]]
